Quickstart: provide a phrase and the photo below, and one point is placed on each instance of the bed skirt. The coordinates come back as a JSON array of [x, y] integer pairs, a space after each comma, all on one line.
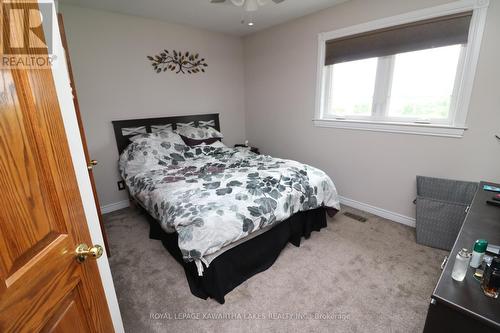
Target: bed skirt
[[238, 264]]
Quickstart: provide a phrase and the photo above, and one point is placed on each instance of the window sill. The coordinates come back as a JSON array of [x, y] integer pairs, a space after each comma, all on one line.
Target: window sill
[[405, 128]]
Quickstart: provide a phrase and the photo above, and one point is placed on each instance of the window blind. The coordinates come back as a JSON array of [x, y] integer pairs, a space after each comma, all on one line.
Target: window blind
[[420, 35]]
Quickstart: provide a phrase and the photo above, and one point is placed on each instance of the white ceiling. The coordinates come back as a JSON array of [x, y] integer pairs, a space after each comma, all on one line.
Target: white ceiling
[[225, 18]]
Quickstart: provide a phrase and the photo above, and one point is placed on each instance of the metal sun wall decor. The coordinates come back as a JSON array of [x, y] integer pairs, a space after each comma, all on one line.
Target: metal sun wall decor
[[178, 62]]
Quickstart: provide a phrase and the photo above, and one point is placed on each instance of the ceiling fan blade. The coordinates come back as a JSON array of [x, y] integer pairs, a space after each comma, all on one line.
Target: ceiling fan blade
[[278, 1], [217, 1]]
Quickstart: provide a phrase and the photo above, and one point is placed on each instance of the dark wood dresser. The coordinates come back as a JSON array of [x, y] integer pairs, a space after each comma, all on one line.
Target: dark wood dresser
[[462, 306]]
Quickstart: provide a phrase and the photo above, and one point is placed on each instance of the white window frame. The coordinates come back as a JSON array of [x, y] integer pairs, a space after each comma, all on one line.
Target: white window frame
[[464, 78]]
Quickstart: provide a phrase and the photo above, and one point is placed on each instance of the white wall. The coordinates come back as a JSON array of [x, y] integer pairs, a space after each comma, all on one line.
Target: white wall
[[115, 81], [374, 168]]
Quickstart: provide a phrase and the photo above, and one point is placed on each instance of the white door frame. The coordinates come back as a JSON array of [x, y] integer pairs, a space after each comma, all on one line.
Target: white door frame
[[65, 97]]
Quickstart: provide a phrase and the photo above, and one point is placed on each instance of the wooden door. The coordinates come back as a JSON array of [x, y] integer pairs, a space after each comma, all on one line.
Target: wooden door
[[42, 286], [90, 162]]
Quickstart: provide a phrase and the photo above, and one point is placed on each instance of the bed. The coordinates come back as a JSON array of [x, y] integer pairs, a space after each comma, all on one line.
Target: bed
[[224, 214]]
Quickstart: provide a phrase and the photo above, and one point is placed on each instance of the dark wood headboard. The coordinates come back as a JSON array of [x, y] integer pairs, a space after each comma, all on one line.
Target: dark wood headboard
[[124, 129]]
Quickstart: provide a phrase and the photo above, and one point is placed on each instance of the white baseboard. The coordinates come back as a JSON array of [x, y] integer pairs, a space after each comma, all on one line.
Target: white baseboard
[[115, 206], [396, 217]]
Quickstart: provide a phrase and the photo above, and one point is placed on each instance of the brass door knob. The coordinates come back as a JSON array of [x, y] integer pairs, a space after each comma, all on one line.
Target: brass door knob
[[83, 251], [92, 164]]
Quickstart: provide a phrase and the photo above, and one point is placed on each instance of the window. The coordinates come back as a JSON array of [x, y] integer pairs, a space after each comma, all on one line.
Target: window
[[413, 86], [423, 84], [350, 88], [413, 77]]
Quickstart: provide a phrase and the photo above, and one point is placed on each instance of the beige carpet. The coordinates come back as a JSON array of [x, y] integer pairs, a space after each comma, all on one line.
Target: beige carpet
[[351, 276]]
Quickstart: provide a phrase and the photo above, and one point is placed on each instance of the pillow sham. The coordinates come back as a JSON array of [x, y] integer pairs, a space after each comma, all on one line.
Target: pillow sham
[[208, 123], [191, 123], [139, 157], [199, 133], [145, 155], [165, 135]]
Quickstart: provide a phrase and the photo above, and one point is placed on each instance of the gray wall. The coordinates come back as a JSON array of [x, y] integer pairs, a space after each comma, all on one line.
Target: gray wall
[[267, 83], [371, 167], [114, 80]]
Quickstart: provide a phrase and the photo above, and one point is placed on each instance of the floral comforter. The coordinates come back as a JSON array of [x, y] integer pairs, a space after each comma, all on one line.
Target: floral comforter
[[213, 197]]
